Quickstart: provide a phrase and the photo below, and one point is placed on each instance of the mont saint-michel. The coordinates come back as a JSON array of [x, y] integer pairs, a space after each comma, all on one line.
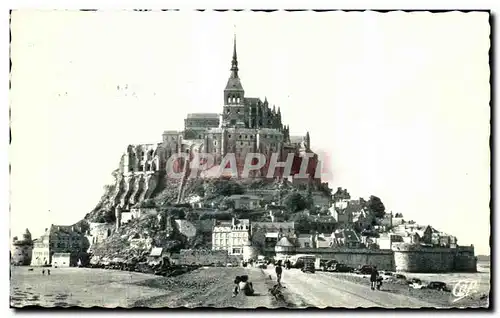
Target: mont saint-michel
[[235, 195]]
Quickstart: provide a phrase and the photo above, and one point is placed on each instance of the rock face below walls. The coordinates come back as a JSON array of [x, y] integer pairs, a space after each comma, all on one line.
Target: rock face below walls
[[129, 189]]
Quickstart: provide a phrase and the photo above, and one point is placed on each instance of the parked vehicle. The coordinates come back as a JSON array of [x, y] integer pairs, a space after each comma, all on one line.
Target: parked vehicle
[[386, 275], [299, 260], [416, 283], [364, 270], [328, 265], [438, 286], [342, 268], [261, 264], [308, 268]]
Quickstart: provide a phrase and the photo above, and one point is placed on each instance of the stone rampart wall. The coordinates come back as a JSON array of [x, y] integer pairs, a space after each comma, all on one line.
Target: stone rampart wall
[[419, 259], [383, 259]]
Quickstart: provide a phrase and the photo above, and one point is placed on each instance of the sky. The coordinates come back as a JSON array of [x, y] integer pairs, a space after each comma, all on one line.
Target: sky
[[399, 102]]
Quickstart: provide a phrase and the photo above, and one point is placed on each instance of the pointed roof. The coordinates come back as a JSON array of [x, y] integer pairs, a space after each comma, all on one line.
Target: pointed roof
[[234, 82], [284, 242]]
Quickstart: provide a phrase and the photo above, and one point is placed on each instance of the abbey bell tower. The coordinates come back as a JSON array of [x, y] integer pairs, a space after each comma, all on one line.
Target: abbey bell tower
[[234, 97]]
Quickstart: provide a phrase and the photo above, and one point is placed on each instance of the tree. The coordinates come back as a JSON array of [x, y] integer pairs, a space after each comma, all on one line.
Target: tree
[[341, 194], [376, 207], [295, 202], [227, 188]]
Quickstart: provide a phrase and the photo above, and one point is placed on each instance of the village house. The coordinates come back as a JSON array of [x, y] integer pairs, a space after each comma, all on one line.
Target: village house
[[64, 260], [306, 241], [230, 235], [391, 220], [446, 240], [138, 212], [369, 242], [266, 235], [386, 240], [126, 217], [346, 238], [340, 212], [58, 239], [362, 219], [320, 199], [247, 202], [323, 240], [158, 256]]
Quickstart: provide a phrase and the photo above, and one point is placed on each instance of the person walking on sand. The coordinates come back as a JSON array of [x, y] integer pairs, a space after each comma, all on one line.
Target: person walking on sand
[[43, 272], [279, 271], [373, 277], [48, 272]]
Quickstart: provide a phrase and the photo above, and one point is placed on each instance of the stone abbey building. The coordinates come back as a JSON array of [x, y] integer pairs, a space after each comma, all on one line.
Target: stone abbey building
[[246, 125]]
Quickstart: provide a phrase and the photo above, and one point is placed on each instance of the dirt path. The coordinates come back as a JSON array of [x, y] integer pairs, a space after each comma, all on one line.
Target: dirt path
[[323, 290], [212, 287]]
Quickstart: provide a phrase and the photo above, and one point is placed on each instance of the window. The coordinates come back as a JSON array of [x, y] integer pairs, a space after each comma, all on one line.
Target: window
[[228, 100], [306, 244], [251, 136], [228, 110], [215, 142], [238, 100], [242, 143], [228, 136]]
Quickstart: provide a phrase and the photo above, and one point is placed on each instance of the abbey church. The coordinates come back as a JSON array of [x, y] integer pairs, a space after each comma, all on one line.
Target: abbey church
[[246, 125]]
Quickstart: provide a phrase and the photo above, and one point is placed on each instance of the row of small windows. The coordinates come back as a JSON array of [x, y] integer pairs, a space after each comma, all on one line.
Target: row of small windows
[[251, 136], [228, 111], [231, 99]]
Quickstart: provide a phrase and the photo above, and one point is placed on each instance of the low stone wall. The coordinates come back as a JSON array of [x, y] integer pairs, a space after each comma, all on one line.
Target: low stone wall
[[383, 259], [203, 257]]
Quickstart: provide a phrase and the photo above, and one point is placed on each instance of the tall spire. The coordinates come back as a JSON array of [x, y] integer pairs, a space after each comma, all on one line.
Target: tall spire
[[234, 82], [234, 63]]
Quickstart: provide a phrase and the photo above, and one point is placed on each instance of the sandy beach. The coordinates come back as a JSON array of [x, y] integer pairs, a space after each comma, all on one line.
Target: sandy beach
[[212, 287]]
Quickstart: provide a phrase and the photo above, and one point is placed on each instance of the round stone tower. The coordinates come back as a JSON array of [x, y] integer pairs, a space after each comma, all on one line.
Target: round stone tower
[[249, 251], [284, 248]]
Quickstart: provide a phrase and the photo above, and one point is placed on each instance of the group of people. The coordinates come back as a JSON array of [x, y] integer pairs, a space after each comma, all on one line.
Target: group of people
[[43, 272], [242, 285]]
